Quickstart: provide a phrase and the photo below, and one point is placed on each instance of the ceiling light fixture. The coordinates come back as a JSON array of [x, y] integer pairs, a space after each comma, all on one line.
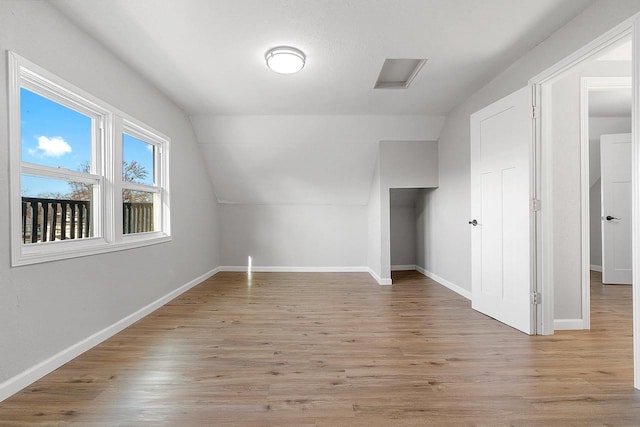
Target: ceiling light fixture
[[285, 59]]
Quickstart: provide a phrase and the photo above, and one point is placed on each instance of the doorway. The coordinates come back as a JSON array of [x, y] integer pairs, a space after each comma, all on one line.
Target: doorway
[[588, 100], [606, 141], [560, 225], [403, 228]]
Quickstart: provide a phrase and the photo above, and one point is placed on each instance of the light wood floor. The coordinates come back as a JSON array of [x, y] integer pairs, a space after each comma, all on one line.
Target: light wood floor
[[339, 350]]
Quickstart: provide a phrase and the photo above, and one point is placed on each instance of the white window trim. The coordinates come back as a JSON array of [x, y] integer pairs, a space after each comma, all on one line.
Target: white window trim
[[106, 172]]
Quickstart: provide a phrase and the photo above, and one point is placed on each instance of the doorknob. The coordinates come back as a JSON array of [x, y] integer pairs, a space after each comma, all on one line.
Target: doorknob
[[474, 222], [611, 218]]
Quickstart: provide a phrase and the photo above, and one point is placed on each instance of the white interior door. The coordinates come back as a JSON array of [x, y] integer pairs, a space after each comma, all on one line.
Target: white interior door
[[500, 194], [615, 168]]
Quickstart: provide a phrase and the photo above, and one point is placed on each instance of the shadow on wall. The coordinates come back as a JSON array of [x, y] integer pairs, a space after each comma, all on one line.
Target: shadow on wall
[[407, 211]]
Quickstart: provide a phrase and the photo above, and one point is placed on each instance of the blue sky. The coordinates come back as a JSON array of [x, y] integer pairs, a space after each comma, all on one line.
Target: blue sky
[[57, 136]]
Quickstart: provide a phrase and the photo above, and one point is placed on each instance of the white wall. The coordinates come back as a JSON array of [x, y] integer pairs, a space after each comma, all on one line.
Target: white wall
[[566, 178], [46, 308], [424, 232], [403, 164], [301, 160], [374, 222], [599, 126], [294, 236], [309, 169], [447, 250]]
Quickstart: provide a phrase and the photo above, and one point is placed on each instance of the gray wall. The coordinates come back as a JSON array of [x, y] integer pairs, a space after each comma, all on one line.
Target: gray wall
[[46, 308], [294, 235], [403, 164], [566, 178], [403, 226], [446, 241]]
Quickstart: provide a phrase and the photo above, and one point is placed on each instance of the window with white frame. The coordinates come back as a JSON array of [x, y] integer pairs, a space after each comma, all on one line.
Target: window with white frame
[[85, 177]]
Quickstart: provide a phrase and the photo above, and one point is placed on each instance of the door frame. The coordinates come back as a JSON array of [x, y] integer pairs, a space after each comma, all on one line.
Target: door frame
[[587, 84], [541, 90]]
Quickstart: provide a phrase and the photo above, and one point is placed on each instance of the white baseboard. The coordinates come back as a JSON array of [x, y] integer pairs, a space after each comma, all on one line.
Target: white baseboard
[[567, 324], [28, 377], [283, 269], [379, 279], [408, 267], [596, 268], [263, 269], [447, 284]]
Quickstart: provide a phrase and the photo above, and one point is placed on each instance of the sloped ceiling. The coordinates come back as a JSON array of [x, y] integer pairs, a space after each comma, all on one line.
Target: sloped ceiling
[[301, 159], [208, 56]]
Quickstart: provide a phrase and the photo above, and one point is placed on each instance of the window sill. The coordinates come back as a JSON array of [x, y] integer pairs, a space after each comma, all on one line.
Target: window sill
[[56, 251]]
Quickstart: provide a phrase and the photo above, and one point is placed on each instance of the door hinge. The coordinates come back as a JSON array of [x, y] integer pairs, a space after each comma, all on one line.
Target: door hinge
[[536, 298], [534, 112], [535, 205]]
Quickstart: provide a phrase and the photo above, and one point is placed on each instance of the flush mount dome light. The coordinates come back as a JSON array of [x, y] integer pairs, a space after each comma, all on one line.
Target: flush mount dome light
[[285, 59]]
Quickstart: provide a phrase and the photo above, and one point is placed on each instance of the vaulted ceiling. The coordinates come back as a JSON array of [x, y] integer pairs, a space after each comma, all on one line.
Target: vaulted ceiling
[[208, 56]]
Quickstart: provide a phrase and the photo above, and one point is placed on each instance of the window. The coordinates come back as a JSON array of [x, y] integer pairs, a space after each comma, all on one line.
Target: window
[[85, 177], [140, 190]]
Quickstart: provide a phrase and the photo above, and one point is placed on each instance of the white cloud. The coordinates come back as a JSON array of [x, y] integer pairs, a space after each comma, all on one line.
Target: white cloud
[[53, 147]]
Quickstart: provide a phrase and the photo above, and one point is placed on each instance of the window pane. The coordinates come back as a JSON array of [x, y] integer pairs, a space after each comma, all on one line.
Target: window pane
[[55, 209], [137, 160], [137, 212], [54, 135]]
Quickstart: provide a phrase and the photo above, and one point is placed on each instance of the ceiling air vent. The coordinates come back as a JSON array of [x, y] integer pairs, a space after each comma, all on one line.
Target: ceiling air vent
[[398, 73]]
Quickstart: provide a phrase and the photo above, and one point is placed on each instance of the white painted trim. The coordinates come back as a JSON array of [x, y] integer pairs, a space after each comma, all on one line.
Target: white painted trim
[[567, 324], [544, 226], [39, 370], [290, 269], [407, 267], [585, 226], [535, 312], [599, 44], [595, 268], [635, 200], [379, 279], [107, 153], [444, 282]]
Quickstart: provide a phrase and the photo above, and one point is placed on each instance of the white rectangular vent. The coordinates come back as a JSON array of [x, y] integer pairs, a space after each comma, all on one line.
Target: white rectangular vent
[[398, 73]]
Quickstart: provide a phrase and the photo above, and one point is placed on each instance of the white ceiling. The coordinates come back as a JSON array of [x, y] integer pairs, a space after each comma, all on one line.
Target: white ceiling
[[312, 137], [208, 55]]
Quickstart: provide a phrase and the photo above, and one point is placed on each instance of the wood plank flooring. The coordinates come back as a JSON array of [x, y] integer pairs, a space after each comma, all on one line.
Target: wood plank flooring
[[329, 349]]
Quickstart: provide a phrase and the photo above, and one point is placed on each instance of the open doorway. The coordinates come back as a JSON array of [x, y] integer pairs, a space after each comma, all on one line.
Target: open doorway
[[403, 227], [591, 101], [561, 171], [606, 104]]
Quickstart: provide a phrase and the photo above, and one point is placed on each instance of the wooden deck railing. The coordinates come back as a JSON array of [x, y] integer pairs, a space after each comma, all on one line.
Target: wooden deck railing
[[47, 220], [137, 217]]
